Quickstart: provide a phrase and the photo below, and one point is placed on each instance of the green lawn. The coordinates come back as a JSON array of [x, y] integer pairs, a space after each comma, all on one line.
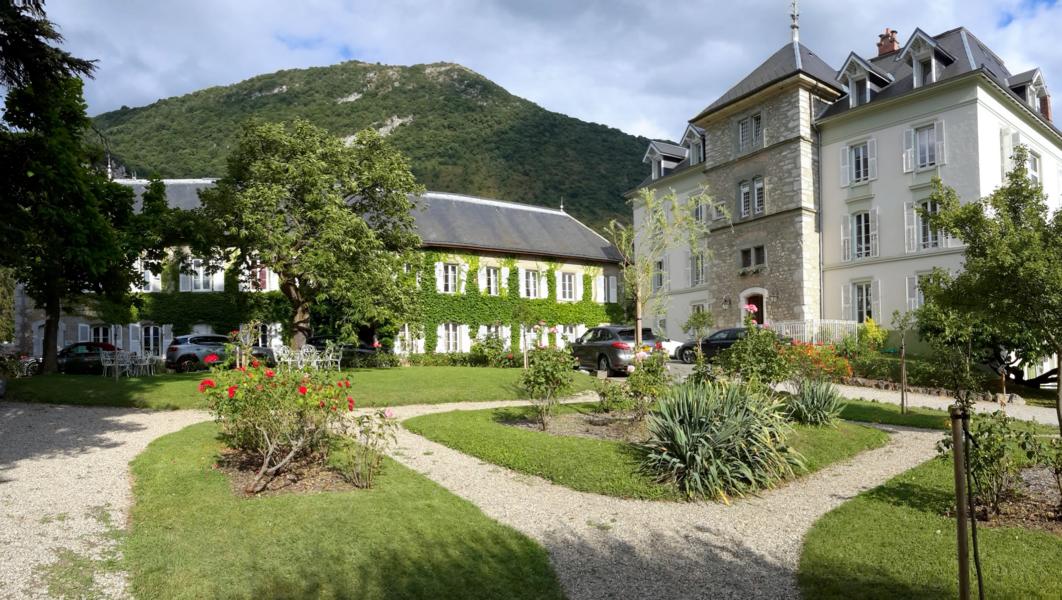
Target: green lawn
[[892, 542], [602, 466], [407, 538], [925, 418], [371, 387]]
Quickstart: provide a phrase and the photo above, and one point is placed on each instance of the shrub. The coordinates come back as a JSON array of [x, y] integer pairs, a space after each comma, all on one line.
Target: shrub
[[1047, 454], [611, 396], [490, 351], [817, 361], [373, 360], [358, 455], [278, 416], [815, 402], [871, 336], [718, 440], [549, 374], [648, 380], [759, 358], [996, 473], [439, 359]]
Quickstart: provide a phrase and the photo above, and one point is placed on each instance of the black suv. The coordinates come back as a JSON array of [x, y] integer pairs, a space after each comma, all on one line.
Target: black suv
[[711, 345]]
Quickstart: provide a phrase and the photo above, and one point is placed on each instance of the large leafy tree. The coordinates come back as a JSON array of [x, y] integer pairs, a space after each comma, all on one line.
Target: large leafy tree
[[29, 52], [1012, 279], [68, 229], [333, 221]]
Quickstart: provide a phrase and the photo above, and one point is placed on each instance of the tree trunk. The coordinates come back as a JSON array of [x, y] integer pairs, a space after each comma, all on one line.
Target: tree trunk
[[300, 314], [637, 321], [52, 311], [1058, 399], [903, 374]]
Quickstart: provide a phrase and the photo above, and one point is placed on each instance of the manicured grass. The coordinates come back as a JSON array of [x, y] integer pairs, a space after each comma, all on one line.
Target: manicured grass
[[925, 418], [892, 542], [602, 466], [407, 538], [371, 387]]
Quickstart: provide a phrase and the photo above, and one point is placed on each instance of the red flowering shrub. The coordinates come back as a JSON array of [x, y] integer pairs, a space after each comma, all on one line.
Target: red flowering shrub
[[278, 417], [817, 362]]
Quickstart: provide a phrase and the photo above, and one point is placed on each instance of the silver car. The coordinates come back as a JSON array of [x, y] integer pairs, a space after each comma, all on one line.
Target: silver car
[[186, 352], [609, 348]]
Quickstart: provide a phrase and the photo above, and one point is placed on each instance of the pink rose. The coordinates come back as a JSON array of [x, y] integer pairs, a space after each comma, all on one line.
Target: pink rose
[[390, 414], [630, 368]]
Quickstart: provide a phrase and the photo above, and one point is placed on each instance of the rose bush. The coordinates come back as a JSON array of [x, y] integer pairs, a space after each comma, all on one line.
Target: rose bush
[[549, 374], [357, 456]]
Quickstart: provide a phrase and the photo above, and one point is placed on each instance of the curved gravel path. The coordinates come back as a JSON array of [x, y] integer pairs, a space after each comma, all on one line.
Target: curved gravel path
[[65, 491], [604, 547]]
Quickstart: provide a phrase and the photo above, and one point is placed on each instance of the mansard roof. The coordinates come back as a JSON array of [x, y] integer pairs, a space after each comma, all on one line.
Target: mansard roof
[[461, 222], [789, 60], [883, 77]]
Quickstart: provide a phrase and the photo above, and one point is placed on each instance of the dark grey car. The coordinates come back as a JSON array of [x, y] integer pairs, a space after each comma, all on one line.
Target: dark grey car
[[186, 352], [609, 348]]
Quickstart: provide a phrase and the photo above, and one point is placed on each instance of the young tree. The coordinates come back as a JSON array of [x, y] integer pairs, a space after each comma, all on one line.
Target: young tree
[[332, 221], [901, 324], [697, 326], [1012, 277], [664, 224], [68, 230]]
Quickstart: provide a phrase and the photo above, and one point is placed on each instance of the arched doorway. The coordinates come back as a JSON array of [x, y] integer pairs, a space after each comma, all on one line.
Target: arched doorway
[[756, 297]]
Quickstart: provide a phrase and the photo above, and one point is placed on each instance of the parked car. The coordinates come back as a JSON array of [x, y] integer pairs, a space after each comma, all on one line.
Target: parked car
[[670, 346], [350, 351], [711, 345], [609, 348], [83, 358], [186, 352]]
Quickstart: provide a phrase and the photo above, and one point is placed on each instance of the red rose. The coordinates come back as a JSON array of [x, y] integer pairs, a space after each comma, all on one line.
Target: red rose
[[347, 382], [211, 359], [350, 403], [321, 404], [333, 409], [255, 364], [206, 383], [232, 391], [302, 390], [339, 384], [269, 373]]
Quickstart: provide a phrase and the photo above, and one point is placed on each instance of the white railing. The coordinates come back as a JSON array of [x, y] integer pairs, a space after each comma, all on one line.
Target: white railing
[[827, 331]]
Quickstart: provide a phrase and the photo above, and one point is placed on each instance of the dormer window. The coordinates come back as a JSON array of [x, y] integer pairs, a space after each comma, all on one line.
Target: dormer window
[[860, 92], [695, 152], [925, 71], [656, 168]]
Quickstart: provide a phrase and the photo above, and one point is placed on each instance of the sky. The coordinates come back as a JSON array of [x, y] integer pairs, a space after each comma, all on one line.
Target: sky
[[643, 67]]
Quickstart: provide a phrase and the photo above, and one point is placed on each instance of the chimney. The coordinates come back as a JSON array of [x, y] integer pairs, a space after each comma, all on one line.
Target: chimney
[[887, 42], [1045, 106]]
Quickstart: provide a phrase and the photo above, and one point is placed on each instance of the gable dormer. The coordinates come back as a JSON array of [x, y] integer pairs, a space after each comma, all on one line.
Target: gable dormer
[[664, 157], [1030, 87], [694, 142], [862, 79], [926, 58]]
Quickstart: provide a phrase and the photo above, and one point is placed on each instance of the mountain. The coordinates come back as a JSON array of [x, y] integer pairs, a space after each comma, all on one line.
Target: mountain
[[461, 132]]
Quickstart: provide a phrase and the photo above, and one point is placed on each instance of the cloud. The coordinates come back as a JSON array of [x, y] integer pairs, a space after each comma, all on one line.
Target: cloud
[[642, 67]]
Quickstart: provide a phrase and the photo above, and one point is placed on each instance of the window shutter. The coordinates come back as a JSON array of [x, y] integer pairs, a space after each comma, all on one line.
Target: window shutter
[[667, 273], [521, 282], [846, 302], [845, 178], [134, 337], [462, 277], [908, 150], [912, 292], [874, 232], [599, 288], [504, 283], [440, 338], [217, 281], [613, 295], [846, 238], [910, 226], [578, 287], [464, 342], [875, 302], [872, 158], [938, 127], [439, 277], [557, 276], [689, 269], [185, 283], [481, 280], [84, 332], [116, 336]]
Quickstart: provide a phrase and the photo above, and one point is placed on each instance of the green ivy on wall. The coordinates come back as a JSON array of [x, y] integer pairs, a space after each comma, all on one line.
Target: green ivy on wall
[[474, 308]]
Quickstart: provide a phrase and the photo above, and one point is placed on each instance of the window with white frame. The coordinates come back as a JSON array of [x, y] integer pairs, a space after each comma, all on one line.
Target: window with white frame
[[925, 146], [101, 334], [753, 257], [1033, 166], [697, 271], [862, 301], [860, 163], [700, 210], [658, 275], [450, 274], [924, 72], [491, 281], [568, 333], [859, 91], [150, 282], [759, 196], [745, 198], [928, 237], [451, 341], [202, 279], [493, 330], [151, 340], [861, 235], [695, 152], [915, 295], [696, 308], [531, 284], [750, 132], [567, 291]]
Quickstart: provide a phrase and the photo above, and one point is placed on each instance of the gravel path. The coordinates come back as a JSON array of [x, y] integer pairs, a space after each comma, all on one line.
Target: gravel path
[[64, 493], [604, 547]]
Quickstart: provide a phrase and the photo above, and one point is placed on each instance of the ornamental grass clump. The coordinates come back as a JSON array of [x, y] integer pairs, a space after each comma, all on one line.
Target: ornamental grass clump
[[718, 440], [815, 402], [276, 416]]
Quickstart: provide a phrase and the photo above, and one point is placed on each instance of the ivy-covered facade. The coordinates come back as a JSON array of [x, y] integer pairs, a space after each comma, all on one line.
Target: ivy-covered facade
[[487, 267]]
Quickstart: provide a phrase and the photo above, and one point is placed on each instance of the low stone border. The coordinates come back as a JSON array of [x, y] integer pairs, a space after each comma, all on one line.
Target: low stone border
[[882, 384]]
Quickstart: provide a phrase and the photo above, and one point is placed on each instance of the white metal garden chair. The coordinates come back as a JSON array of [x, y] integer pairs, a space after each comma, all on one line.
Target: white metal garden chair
[[107, 361], [331, 358], [309, 357], [283, 357]]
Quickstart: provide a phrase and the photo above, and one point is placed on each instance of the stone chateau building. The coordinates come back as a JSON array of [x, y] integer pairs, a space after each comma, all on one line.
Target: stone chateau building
[[816, 174]]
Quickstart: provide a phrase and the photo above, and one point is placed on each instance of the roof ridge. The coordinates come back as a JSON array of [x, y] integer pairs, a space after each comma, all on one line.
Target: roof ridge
[[493, 202]]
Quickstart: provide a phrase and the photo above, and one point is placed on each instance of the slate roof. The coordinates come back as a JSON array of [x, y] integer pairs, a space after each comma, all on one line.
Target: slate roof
[[790, 59], [457, 221], [669, 148], [970, 55], [466, 222]]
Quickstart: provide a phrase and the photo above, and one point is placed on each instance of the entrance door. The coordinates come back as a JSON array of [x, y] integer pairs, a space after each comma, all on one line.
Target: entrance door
[[757, 301]]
